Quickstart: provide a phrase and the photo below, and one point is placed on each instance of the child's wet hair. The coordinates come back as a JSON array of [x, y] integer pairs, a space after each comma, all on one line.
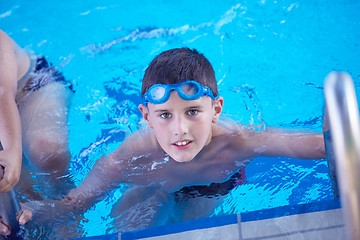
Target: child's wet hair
[[179, 64]]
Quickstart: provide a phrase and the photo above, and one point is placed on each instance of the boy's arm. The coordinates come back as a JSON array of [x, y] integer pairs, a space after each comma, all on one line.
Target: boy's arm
[[10, 124], [109, 171], [281, 143], [99, 181], [102, 178]]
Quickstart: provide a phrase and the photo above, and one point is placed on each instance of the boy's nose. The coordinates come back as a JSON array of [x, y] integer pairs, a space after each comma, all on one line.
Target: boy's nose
[[180, 126]]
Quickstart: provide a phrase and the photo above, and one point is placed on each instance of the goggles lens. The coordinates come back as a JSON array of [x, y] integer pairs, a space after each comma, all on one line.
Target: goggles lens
[[187, 90], [190, 89], [156, 93]]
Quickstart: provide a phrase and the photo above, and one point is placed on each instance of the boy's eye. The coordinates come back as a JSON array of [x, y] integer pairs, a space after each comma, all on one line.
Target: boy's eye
[[192, 112], [165, 115]]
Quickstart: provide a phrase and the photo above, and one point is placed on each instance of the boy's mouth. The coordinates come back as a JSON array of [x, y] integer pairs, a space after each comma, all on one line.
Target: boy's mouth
[[182, 144]]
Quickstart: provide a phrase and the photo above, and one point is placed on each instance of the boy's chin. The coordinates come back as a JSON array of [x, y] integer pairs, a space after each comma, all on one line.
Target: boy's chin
[[181, 159]]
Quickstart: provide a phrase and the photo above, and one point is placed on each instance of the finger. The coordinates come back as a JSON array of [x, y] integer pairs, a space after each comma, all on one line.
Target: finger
[[4, 182], [8, 178], [4, 230], [6, 185], [24, 217]]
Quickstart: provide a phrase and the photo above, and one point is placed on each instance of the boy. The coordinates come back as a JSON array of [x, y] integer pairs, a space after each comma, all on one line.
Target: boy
[[34, 100], [185, 144]]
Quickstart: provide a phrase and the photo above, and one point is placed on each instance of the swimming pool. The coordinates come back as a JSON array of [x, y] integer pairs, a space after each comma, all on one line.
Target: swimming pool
[[270, 59]]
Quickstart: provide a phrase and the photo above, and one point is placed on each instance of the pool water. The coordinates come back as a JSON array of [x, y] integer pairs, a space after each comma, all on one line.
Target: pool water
[[270, 60]]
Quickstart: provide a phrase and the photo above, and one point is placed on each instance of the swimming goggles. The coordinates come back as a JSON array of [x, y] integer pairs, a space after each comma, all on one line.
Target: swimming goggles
[[187, 90]]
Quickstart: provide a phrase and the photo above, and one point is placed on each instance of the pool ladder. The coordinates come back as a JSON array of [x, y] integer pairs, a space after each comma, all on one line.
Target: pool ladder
[[9, 207], [342, 139]]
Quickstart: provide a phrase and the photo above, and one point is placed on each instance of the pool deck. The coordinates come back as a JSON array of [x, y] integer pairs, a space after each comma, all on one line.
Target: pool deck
[[318, 220]]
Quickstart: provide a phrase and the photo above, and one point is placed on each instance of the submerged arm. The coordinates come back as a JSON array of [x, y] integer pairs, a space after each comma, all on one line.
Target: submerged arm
[[281, 143], [108, 172], [102, 178]]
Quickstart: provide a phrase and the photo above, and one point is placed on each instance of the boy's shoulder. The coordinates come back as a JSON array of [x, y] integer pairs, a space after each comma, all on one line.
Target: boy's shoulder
[[140, 142], [237, 136], [139, 138], [227, 126]]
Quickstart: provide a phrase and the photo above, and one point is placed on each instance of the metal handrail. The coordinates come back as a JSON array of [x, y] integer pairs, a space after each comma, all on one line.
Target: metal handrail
[[343, 114], [9, 208], [330, 156]]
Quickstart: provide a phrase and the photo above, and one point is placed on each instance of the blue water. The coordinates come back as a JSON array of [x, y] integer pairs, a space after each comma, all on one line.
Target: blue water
[[270, 59]]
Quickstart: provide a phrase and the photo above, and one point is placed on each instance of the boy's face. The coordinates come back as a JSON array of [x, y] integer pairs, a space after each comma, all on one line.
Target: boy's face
[[182, 128]]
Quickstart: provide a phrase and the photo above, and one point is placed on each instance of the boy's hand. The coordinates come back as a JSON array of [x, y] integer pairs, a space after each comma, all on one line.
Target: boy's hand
[[23, 217], [9, 171], [43, 212]]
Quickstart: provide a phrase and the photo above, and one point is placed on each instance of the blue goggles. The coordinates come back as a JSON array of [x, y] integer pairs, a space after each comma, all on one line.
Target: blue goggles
[[187, 90]]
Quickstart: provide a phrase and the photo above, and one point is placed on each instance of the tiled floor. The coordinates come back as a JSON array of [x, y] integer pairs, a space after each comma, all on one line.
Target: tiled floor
[[322, 220], [316, 225]]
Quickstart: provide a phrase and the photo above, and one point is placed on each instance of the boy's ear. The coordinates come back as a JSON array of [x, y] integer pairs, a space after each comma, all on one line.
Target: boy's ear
[[218, 105], [145, 113]]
